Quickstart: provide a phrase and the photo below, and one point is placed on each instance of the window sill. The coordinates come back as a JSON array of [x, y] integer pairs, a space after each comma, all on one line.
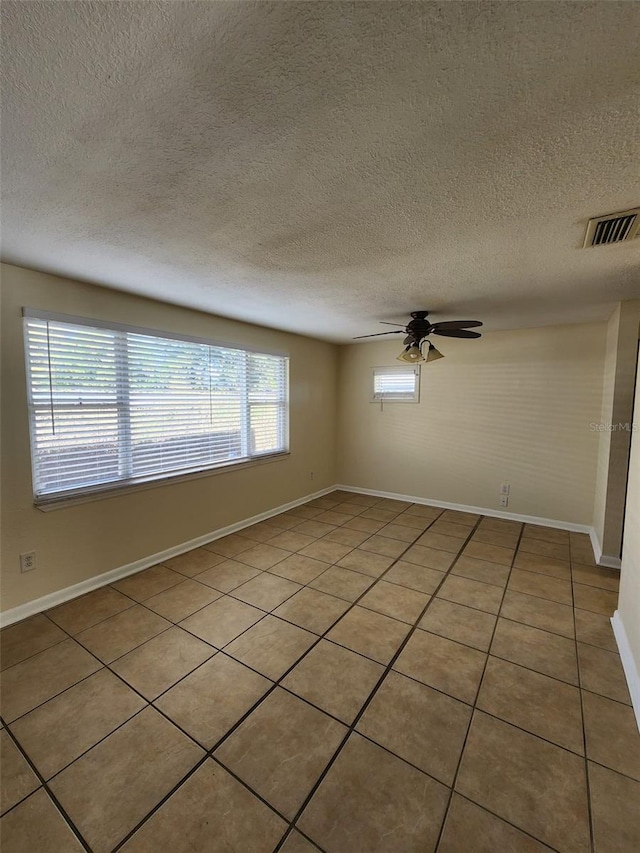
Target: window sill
[[119, 489]]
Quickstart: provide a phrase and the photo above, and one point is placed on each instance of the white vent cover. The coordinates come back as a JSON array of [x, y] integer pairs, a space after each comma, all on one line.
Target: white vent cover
[[613, 228]]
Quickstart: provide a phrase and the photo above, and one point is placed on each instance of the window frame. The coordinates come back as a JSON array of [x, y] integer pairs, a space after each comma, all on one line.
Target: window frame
[[109, 487], [397, 369]]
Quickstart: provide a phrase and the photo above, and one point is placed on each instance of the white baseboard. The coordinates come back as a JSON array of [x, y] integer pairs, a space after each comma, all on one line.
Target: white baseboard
[[479, 510], [628, 663], [603, 559], [22, 611]]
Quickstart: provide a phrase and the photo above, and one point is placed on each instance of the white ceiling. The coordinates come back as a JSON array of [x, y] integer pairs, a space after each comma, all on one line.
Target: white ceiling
[[320, 166]]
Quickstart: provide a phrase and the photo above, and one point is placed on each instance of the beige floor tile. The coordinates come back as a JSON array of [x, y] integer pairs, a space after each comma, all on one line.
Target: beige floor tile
[[182, 600], [300, 569], [227, 575], [143, 585], [601, 672], [466, 821], [369, 633], [596, 576], [222, 621], [345, 536], [25, 639], [284, 521], [385, 515], [311, 609], [17, 779], [502, 525], [297, 843], [281, 749], [37, 825], [468, 519], [365, 525], [541, 705], [194, 562], [414, 577], [157, 664], [538, 612], [548, 534], [533, 784], [596, 600], [547, 653], [366, 562], [457, 622], [314, 528], [458, 531], [419, 724], [395, 601], [384, 545], [211, 700], [443, 664], [582, 552], [612, 734], [121, 633], [83, 612], [271, 646], [266, 591], [414, 521], [303, 512], [595, 629], [210, 811], [30, 683], [112, 787], [343, 583], [543, 565], [334, 679], [616, 816], [371, 800], [441, 541], [79, 717], [495, 537], [399, 532], [261, 532], [431, 558], [355, 501], [230, 546], [291, 540], [481, 570], [532, 583], [333, 516], [545, 549], [482, 596], [329, 552], [263, 556], [492, 553], [422, 511]]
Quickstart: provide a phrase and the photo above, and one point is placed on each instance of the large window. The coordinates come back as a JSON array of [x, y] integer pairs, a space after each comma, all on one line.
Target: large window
[[111, 405]]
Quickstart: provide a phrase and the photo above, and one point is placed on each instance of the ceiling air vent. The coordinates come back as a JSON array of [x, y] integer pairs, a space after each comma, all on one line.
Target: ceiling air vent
[[613, 228]]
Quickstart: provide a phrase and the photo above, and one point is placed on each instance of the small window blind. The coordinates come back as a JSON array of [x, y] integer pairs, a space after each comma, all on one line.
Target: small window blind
[[396, 384], [112, 406]]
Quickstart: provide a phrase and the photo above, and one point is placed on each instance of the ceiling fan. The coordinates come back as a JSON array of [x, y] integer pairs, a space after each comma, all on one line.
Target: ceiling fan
[[418, 330]]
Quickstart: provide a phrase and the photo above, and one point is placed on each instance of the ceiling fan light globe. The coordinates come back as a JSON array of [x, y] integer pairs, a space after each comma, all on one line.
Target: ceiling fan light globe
[[411, 354], [433, 354]]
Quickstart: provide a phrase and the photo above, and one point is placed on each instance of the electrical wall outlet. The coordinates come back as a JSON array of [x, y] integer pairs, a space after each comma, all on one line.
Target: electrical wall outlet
[[505, 489], [28, 561], [504, 500]]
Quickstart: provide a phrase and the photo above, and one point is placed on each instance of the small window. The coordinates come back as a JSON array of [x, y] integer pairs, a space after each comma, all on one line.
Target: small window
[[396, 384], [112, 405]]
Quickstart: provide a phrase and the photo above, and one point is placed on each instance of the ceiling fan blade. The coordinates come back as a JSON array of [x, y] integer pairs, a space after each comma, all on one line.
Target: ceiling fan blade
[[458, 324], [384, 323], [396, 332], [456, 333]]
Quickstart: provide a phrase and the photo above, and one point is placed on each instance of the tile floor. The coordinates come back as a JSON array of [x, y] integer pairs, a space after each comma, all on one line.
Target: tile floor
[[355, 674]]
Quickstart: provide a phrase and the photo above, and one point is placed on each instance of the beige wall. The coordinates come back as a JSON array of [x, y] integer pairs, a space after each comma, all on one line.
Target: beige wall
[[629, 600], [617, 407], [511, 406], [75, 543]]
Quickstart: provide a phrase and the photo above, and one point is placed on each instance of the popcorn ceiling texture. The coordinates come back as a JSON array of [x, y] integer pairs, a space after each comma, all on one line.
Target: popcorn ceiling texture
[[317, 167]]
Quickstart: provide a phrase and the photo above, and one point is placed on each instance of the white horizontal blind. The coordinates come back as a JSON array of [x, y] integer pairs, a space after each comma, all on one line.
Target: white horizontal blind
[[396, 384], [109, 406]]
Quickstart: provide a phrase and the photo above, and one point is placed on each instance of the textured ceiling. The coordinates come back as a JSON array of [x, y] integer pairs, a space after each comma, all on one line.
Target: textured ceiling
[[320, 166]]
